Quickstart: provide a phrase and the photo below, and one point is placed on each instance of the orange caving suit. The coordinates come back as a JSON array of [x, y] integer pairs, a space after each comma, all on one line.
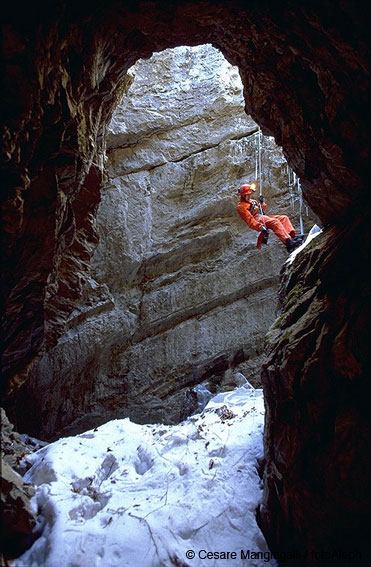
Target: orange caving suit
[[280, 224]]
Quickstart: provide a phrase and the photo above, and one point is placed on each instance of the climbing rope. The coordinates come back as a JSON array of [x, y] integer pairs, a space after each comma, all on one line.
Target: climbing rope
[[291, 183], [296, 194], [258, 172], [260, 161], [300, 207]]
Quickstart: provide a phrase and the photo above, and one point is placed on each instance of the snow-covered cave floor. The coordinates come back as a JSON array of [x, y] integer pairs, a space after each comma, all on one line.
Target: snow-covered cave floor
[[129, 495]]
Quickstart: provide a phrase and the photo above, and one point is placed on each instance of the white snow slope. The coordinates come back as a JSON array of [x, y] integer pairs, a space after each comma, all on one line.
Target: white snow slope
[[128, 495], [313, 233]]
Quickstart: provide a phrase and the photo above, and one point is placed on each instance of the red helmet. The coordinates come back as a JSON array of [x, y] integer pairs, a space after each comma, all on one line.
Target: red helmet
[[247, 189]]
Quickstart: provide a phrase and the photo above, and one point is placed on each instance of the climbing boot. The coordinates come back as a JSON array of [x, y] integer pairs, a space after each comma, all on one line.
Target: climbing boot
[[291, 244], [299, 238]]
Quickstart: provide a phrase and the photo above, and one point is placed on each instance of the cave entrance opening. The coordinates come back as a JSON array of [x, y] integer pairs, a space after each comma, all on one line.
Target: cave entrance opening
[[197, 295], [178, 294]]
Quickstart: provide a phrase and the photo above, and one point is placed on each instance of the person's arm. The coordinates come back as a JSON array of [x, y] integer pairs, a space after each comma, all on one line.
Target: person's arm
[[249, 219]]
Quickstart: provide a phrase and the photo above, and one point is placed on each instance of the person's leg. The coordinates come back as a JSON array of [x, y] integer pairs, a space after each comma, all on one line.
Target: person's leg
[[286, 223], [273, 223]]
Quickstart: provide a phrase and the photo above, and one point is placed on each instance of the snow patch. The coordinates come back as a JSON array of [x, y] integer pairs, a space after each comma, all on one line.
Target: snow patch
[[314, 231], [129, 495]]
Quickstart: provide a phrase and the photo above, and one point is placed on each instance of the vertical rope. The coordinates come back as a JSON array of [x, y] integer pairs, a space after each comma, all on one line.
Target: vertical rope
[[260, 162], [296, 194], [292, 197], [300, 208], [259, 173]]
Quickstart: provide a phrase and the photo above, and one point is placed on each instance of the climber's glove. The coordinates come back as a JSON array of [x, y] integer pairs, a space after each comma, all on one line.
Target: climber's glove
[[261, 199]]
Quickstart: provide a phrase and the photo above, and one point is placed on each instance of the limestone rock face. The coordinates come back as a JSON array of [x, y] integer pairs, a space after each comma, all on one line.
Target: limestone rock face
[[178, 293]]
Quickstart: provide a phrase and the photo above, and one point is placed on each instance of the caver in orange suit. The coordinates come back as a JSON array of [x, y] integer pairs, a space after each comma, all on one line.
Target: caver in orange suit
[[250, 211]]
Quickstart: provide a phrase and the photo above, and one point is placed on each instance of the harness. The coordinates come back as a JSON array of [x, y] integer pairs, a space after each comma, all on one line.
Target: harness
[[254, 207]]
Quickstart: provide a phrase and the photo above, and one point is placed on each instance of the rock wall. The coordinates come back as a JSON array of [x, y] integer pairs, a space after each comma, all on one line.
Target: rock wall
[[317, 430], [178, 293], [18, 517]]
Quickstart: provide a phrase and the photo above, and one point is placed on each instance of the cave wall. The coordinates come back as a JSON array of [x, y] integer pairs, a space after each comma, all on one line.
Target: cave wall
[[305, 74], [317, 429]]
